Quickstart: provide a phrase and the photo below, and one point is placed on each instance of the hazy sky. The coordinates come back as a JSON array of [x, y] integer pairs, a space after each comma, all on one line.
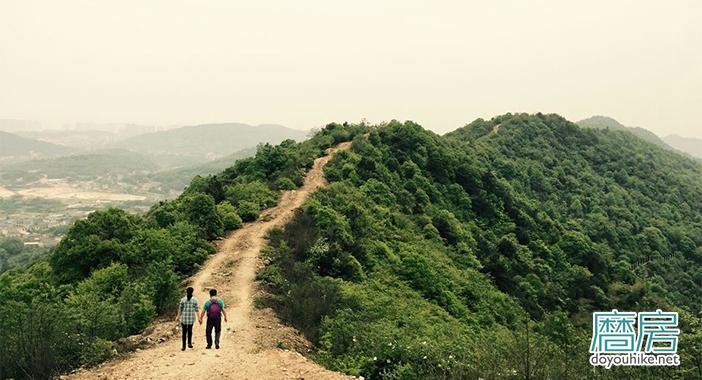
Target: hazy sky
[[304, 63]]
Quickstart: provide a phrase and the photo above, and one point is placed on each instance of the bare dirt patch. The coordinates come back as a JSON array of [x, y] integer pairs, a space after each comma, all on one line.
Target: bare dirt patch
[[4, 193], [65, 191]]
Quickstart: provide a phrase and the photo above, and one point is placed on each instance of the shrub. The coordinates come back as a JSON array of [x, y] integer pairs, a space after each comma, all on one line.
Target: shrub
[[256, 192], [232, 221], [285, 183], [163, 284], [229, 216], [143, 313], [248, 211], [96, 352]]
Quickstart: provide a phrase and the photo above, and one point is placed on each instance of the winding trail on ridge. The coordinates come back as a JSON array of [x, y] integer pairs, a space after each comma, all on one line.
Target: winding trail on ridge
[[252, 350]]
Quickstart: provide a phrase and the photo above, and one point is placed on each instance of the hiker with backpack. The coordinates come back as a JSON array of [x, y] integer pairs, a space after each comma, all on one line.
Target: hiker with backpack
[[187, 312], [214, 307]]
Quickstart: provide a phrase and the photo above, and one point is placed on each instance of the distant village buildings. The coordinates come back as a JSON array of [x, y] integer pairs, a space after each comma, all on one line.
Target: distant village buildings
[[33, 231]]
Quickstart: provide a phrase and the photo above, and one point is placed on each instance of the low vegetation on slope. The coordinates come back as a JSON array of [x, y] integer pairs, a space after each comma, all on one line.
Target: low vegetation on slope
[[482, 254]]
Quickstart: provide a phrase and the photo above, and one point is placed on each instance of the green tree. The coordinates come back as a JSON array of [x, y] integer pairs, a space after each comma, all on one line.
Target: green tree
[[93, 243], [12, 246], [228, 213], [248, 211], [201, 211]]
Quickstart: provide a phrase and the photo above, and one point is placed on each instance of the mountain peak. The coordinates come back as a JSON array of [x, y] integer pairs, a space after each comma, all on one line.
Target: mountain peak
[[601, 122]]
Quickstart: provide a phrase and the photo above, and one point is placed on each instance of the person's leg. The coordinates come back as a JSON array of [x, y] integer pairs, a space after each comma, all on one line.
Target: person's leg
[[190, 336], [185, 332], [208, 333], [218, 331]]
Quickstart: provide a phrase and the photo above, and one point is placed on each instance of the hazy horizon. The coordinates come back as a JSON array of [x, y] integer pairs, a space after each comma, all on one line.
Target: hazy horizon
[[307, 63]]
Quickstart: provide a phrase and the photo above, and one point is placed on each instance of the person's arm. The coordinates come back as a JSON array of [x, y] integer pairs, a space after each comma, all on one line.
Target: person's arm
[[197, 307], [180, 309], [224, 312], [202, 313]]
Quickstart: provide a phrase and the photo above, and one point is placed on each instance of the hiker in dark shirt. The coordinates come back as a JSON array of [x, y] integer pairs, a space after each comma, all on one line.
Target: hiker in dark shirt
[[214, 307]]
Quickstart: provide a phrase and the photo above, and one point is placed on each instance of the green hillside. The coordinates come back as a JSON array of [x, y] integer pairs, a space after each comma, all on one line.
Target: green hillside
[[13, 145], [478, 254], [483, 255], [218, 139]]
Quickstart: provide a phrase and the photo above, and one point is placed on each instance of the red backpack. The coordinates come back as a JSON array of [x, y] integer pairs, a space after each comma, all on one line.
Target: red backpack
[[214, 311]]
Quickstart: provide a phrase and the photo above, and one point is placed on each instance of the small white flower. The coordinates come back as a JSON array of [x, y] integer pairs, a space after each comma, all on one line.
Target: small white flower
[[425, 342], [450, 356], [354, 339], [388, 360], [375, 358], [425, 357]]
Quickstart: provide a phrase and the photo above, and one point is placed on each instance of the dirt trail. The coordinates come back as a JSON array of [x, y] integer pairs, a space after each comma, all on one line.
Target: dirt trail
[[252, 350]]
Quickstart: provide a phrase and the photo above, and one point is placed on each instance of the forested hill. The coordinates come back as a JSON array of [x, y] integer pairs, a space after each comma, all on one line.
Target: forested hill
[[478, 254], [483, 253], [618, 198]]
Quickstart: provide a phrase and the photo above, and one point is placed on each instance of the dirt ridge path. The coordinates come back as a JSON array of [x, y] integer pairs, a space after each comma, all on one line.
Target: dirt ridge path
[[253, 349]]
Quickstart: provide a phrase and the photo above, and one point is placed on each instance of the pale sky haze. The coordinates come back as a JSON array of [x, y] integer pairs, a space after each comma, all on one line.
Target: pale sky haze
[[304, 63]]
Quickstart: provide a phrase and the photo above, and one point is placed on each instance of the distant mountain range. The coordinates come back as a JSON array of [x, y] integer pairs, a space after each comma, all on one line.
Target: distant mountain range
[[604, 122], [169, 158], [90, 139], [12, 145], [690, 146], [217, 140], [206, 142]]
